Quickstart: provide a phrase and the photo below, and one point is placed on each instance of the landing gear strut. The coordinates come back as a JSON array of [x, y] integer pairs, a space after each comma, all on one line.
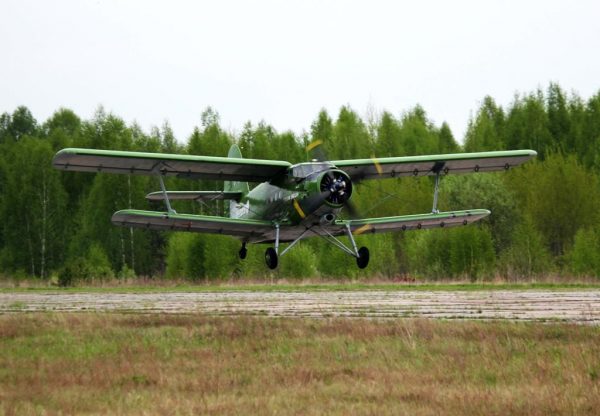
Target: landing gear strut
[[243, 251], [362, 255]]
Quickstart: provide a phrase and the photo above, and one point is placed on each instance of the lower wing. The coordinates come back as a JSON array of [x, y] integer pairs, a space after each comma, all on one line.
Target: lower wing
[[153, 220], [264, 231], [408, 222]]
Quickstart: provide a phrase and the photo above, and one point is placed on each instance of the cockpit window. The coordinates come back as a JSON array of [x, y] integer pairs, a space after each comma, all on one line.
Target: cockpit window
[[303, 170]]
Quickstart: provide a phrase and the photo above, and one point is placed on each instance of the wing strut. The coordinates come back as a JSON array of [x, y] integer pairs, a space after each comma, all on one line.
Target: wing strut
[[165, 195], [436, 190], [330, 238], [437, 168], [349, 231], [293, 243]]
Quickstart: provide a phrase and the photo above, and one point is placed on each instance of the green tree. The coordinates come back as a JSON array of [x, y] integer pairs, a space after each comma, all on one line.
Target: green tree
[[350, 138], [471, 252], [559, 122], [33, 208], [458, 252], [486, 132], [589, 146], [527, 125], [585, 255], [322, 129], [447, 143], [483, 191], [169, 143], [527, 254], [418, 135], [560, 195], [389, 137]]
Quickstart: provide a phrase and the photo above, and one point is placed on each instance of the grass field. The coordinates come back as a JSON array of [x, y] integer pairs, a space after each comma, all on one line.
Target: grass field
[[283, 286], [191, 364]]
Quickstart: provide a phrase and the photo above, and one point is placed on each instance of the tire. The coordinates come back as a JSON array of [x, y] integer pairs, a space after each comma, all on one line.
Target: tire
[[271, 258], [362, 260], [243, 253]]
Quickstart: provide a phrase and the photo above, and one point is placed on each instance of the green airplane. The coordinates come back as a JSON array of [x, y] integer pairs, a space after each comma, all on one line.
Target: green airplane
[[291, 202]]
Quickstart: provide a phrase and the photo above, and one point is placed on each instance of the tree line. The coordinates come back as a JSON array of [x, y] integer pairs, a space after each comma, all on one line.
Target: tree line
[[56, 225]]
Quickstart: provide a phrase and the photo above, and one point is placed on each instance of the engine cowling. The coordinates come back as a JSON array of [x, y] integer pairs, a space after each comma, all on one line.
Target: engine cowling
[[339, 186]]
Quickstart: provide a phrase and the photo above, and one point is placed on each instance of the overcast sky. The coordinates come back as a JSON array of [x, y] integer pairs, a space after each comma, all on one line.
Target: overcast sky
[[282, 61]]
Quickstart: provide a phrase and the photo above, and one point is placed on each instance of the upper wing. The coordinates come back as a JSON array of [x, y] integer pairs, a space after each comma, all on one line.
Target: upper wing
[[408, 222], [186, 166], [432, 164]]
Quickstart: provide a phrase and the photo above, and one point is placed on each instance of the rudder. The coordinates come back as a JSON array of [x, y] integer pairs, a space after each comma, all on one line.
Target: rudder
[[234, 186]]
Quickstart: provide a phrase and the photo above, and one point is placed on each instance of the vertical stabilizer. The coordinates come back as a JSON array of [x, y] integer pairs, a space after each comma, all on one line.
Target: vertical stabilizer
[[234, 186]]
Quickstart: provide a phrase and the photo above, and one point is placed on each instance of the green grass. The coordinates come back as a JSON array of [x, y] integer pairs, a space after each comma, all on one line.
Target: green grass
[[193, 364], [311, 287]]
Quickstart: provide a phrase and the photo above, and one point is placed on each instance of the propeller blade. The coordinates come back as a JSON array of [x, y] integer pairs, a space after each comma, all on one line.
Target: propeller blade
[[313, 202], [352, 210], [315, 148]]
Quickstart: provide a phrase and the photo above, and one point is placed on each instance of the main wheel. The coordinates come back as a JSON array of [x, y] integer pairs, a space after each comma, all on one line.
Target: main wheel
[[363, 257], [271, 258], [243, 252]]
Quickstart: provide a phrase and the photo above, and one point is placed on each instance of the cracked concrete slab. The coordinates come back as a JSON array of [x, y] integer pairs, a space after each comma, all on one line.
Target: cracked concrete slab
[[540, 305]]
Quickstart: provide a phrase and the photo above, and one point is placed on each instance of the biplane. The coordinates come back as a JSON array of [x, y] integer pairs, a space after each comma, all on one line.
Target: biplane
[[290, 202]]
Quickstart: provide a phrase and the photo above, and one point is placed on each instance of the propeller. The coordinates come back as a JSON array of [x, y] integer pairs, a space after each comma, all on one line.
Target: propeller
[[336, 187]]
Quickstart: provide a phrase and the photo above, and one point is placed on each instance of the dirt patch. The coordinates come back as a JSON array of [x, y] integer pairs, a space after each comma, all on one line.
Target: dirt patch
[[578, 306]]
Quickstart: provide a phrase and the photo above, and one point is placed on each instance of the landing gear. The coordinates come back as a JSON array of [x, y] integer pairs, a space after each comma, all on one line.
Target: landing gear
[[271, 258], [243, 251], [363, 257]]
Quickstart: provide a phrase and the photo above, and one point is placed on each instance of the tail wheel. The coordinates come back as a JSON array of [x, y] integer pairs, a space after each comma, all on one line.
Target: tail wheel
[[271, 258], [363, 257], [243, 252]]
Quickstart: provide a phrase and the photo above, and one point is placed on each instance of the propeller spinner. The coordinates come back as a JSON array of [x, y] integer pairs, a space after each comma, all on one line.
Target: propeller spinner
[[338, 187]]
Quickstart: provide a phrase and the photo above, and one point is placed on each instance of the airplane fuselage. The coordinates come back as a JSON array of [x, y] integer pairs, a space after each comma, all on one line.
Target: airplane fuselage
[[305, 194]]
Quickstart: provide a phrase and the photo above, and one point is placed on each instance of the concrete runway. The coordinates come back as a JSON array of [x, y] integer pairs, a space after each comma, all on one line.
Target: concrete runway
[[539, 305]]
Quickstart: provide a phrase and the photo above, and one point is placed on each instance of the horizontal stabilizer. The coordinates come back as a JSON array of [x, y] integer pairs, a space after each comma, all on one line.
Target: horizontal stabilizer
[[194, 195]]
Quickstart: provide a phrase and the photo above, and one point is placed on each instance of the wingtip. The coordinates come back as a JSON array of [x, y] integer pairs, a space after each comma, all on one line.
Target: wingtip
[[155, 196], [58, 161], [61, 157]]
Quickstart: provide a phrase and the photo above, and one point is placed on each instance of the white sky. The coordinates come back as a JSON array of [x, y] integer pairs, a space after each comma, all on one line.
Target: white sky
[[282, 61]]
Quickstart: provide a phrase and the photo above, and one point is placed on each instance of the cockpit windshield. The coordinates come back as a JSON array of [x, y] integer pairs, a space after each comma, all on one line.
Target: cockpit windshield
[[302, 170]]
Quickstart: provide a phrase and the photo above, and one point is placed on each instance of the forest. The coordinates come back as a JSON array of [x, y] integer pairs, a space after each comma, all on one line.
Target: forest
[[56, 225]]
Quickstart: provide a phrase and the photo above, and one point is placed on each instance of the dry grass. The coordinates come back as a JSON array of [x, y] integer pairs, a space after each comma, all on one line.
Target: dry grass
[[157, 284], [152, 364]]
